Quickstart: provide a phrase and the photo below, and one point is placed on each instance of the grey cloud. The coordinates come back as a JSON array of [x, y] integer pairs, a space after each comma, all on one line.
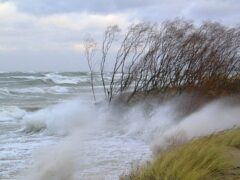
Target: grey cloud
[[151, 10], [225, 11], [38, 45], [93, 6]]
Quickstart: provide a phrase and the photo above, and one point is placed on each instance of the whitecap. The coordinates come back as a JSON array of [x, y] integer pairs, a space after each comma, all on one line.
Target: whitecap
[[60, 79], [28, 90], [11, 112], [58, 89]]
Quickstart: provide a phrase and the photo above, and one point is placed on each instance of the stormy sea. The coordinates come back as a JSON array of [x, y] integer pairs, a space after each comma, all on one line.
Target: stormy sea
[[51, 128]]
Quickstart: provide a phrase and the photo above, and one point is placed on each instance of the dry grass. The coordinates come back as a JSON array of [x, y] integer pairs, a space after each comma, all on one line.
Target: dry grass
[[205, 158]]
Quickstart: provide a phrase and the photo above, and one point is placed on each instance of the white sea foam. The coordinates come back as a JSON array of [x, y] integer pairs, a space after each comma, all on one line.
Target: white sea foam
[[89, 128], [97, 141], [214, 117], [58, 89], [59, 79], [162, 119], [91, 147], [40, 90], [25, 77], [62, 118], [28, 90], [4, 91], [11, 113]]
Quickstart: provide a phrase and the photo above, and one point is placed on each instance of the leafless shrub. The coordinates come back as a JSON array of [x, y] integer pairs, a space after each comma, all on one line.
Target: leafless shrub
[[89, 46], [109, 38], [173, 56]]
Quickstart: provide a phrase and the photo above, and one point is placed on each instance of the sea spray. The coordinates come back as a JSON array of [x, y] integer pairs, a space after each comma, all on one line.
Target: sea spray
[[98, 138], [53, 163], [214, 117], [62, 119], [105, 139]]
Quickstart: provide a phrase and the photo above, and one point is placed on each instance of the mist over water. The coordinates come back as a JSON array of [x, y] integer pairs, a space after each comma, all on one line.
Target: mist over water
[[51, 129]]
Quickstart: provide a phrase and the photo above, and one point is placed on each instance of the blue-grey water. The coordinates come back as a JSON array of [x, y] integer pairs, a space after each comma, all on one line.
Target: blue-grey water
[[50, 128]]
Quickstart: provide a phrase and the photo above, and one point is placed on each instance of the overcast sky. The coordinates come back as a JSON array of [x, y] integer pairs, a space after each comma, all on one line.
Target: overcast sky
[[45, 35]]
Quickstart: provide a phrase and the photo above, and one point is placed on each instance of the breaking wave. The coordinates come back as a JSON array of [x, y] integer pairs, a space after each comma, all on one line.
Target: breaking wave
[[38, 90], [148, 121], [11, 113], [60, 119], [151, 123], [49, 78]]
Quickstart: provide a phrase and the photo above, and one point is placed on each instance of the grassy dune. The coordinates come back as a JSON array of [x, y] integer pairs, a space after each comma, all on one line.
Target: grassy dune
[[213, 157]]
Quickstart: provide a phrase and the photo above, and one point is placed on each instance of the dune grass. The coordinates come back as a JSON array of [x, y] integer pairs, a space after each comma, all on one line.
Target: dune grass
[[205, 158]]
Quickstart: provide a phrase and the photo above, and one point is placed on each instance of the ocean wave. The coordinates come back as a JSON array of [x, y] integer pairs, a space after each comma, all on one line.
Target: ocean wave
[[28, 90], [58, 89], [26, 77], [155, 124], [11, 112], [4, 91], [66, 117], [49, 79], [52, 78], [39, 90], [59, 119], [59, 79], [34, 126]]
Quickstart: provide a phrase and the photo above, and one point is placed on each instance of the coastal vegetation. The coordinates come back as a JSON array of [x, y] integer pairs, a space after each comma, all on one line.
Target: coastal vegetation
[[171, 57], [167, 60], [213, 157]]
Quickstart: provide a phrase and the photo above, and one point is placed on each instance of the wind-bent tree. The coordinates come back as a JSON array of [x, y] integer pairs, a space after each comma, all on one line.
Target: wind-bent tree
[[174, 56], [109, 38], [89, 46]]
